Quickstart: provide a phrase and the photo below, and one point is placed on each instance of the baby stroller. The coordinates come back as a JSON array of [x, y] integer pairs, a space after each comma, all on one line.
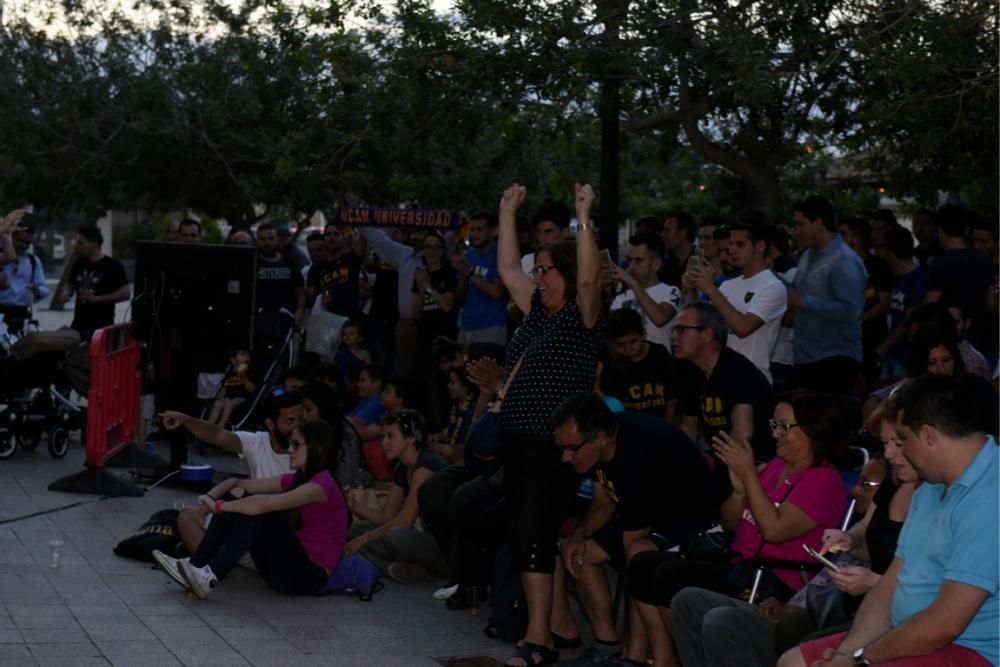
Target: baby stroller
[[37, 372]]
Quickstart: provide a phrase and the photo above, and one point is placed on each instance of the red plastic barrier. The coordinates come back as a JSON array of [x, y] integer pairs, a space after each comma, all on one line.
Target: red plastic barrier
[[113, 399]]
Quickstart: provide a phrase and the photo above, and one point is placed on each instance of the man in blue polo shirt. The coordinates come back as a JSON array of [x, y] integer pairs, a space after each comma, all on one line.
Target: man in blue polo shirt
[[828, 301], [937, 604]]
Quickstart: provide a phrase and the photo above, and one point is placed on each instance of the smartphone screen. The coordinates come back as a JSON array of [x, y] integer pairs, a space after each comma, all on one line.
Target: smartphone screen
[[822, 559]]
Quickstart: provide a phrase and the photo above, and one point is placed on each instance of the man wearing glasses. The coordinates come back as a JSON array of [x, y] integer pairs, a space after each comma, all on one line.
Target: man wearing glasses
[[719, 388], [653, 490]]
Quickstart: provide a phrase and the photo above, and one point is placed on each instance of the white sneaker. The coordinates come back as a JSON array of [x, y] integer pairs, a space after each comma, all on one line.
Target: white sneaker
[[200, 579], [445, 593], [170, 566]]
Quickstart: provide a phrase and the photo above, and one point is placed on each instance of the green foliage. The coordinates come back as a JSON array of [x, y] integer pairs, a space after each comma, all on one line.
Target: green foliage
[[260, 108]]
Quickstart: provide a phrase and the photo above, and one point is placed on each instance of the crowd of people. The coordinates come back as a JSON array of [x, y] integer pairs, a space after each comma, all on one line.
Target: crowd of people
[[684, 418]]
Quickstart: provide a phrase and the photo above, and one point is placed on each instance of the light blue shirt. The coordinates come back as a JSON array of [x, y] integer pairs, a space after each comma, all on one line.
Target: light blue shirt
[[955, 535], [22, 273], [828, 323]]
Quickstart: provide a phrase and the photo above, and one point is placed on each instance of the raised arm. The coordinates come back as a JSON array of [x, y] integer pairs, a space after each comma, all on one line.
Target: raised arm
[[519, 285], [203, 430], [588, 266]]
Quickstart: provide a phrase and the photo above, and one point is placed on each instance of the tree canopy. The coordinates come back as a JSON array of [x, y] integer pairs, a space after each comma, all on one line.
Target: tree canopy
[[283, 107]]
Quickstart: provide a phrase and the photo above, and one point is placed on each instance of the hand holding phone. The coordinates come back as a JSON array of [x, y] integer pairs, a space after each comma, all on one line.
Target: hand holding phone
[[822, 559]]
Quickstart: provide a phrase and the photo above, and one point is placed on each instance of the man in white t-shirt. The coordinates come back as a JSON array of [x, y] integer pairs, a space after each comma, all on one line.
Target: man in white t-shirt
[[266, 452], [753, 303], [655, 302]]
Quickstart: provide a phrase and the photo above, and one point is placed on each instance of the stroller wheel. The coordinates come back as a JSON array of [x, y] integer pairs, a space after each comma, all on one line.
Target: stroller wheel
[[29, 441], [8, 444], [58, 442]]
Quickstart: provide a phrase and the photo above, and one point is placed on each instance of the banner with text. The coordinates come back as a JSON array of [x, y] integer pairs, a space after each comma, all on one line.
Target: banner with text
[[364, 216]]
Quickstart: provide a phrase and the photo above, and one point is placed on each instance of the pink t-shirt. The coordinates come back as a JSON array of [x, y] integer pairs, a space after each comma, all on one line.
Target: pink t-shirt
[[324, 525], [819, 492]]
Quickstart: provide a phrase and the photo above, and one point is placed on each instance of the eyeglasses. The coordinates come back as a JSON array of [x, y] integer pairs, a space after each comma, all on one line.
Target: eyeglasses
[[681, 328], [573, 449], [541, 270], [778, 427]]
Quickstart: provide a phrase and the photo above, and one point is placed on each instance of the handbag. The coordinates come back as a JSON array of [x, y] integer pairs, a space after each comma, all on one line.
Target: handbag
[[482, 445], [710, 546]]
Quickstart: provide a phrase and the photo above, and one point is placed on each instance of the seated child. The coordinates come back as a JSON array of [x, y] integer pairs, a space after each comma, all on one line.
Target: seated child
[[463, 394], [351, 354], [236, 388]]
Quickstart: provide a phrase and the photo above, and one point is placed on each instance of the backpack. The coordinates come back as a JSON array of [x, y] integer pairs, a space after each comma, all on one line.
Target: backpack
[[159, 532], [508, 606], [354, 575]]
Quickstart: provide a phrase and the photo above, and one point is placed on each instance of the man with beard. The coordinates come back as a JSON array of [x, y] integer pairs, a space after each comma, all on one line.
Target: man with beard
[[279, 287], [484, 311], [335, 280], [266, 452]]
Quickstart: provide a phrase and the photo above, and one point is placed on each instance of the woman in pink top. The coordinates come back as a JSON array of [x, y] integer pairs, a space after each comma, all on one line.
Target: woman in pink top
[[772, 511], [294, 525]]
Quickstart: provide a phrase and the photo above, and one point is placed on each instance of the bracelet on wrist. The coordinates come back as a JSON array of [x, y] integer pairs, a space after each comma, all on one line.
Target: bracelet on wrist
[[585, 227], [218, 506]]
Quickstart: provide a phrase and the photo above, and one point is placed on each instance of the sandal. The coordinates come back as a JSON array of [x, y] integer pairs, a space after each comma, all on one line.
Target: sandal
[[528, 651], [566, 642]]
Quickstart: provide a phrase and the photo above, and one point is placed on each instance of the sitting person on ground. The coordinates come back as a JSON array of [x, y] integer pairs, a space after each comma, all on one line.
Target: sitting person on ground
[[351, 354], [464, 395], [298, 376], [716, 630], [773, 510], [387, 535], [652, 491], [266, 452], [643, 374], [365, 414], [937, 604], [293, 525], [236, 388], [319, 401]]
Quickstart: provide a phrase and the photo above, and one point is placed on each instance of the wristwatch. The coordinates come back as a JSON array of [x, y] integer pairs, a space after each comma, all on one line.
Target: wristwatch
[[860, 659]]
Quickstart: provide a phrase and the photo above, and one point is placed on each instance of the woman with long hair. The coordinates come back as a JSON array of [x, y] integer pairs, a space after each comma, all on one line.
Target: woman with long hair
[[294, 526]]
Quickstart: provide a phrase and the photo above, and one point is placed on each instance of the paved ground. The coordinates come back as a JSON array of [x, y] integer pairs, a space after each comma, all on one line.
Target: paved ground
[[98, 609]]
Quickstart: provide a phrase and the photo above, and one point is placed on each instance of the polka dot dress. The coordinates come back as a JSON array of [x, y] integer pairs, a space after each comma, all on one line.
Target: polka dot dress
[[560, 360]]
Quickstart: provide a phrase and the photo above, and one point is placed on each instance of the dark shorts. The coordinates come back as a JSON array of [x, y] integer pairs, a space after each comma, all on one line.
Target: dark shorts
[[610, 538]]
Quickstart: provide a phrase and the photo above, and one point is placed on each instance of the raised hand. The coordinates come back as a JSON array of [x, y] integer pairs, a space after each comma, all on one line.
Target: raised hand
[[584, 201], [173, 420], [737, 454], [512, 198]]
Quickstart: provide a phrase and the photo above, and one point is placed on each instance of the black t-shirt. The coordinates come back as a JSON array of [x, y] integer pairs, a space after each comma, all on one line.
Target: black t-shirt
[[428, 460], [926, 254], [880, 279], [673, 269], [105, 276], [276, 285], [645, 385], [338, 278], [434, 321], [734, 381], [385, 292], [962, 276], [657, 475]]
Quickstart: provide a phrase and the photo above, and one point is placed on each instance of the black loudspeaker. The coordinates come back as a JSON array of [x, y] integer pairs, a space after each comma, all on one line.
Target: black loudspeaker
[[195, 287], [192, 304]]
